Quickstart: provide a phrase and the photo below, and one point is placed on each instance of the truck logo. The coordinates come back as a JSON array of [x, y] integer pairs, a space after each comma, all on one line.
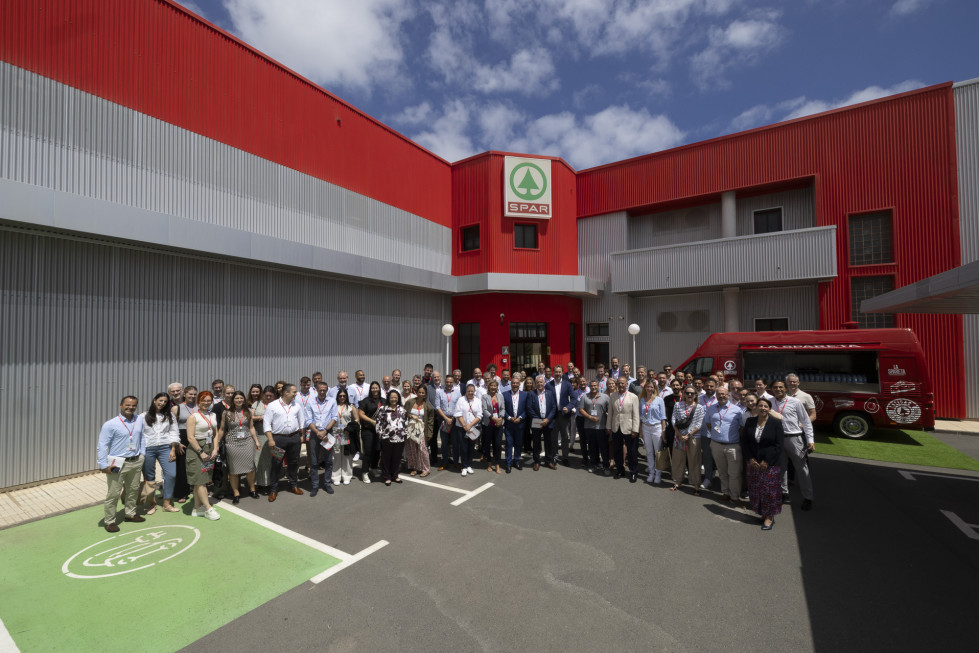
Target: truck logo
[[903, 411], [730, 366], [900, 387], [842, 402], [810, 347], [871, 405], [896, 371], [818, 401]]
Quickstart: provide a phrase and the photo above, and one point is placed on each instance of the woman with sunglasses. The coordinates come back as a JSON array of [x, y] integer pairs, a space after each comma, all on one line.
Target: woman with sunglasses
[[688, 416]]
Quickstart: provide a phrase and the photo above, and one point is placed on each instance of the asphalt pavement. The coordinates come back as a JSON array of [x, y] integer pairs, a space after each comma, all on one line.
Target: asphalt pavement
[[570, 561]]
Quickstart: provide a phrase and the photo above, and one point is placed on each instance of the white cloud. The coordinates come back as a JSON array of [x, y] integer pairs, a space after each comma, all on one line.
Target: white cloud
[[741, 43], [350, 44], [798, 107], [612, 134], [413, 115], [448, 136], [908, 7], [530, 72]]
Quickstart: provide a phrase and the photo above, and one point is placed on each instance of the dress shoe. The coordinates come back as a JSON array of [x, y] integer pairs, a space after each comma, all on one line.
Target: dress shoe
[[606, 472], [767, 527], [551, 465], [566, 462], [112, 528], [236, 500], [806, 504], [314, 492], [519, 466], [295, 490], [618, 475], [253, 495], [328, 489], [632, 477], [136, 519], [272, 496], [508, 469], [536, 466]]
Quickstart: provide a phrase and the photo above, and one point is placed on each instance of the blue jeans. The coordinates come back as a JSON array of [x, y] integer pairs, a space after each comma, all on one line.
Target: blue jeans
[[317, 455], [161, 453]]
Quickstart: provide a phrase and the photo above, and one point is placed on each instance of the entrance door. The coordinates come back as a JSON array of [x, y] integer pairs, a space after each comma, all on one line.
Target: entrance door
[[528, 346]]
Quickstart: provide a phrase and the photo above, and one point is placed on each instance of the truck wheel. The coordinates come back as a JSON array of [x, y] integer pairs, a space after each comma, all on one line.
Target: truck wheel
[[853, 425]]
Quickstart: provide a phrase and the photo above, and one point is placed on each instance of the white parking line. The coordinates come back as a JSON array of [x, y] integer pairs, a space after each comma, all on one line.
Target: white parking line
[[911, 475], [971, 530], [466, 494], [7, 644], [346, 559]]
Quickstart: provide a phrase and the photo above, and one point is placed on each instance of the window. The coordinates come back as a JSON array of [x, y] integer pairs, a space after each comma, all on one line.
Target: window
[[862, 288], [528, 331], [593, 329], [525, 236], [771, 324], [468, 348], [470, 238], [699, 367], [818, 370], [597, 352], [768, 221], [870, 239]]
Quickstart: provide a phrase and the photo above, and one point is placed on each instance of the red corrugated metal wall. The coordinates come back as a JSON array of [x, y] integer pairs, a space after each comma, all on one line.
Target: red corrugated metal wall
[[558, 311], [153, 57], [898, 154], [477, 198]]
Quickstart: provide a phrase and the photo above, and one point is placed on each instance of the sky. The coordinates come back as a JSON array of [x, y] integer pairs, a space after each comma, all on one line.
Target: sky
[[597, 81]]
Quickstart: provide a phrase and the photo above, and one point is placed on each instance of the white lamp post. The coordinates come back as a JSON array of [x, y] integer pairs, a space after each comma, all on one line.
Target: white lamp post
[[634, 331], [447, 331]]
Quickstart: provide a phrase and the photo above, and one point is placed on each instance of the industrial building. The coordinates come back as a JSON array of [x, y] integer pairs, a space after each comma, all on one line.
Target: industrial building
[[180, 213]]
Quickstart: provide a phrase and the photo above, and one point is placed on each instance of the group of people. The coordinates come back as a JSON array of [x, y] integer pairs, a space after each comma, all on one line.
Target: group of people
[[690, 428]]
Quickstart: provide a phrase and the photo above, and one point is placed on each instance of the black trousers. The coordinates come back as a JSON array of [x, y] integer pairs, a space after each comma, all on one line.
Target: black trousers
[[294, 447], [181, 490], [598, 447], [632, 449], [492, 442], [579, 423], [537, 436], [369, 450], [391, 453]]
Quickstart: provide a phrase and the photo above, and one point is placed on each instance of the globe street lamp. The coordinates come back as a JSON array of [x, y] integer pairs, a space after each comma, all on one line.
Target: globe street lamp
[[634, 331], [447, 331]]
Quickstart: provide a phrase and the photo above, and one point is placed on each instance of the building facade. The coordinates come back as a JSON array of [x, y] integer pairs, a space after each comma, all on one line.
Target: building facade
[[174, 205]]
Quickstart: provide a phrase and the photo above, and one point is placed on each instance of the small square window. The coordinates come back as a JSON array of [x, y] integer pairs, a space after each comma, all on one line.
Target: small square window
[[768, 221], [771, 324], [870, 238], [597, 329], [525, 236], [470, 238]]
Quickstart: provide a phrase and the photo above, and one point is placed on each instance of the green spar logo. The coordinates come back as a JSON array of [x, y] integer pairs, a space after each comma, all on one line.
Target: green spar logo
[[128, 552], [529, 188]]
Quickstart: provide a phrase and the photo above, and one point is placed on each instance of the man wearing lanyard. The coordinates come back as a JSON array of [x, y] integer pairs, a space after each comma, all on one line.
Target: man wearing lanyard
[[662, 386], [613, 372], [515, 407], [386, 386], [321, 416], [305, 396], [562, 389], [362, 387], [282, 423], [541, 408], [120, 457], [707, 400], [352, 397], [799, 441], [601, 378], [623, 426], [724, 423], [446, 410]]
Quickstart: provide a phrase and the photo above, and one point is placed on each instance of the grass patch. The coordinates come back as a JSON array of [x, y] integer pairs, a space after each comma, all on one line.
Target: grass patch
[[897, 446]]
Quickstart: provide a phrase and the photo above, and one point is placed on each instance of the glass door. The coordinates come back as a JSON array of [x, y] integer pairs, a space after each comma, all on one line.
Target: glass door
[[528, 343]]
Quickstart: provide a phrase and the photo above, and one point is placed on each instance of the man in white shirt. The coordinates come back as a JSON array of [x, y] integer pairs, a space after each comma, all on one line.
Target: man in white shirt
[[663, 385], [798, 443], [761, 389], [362, 387], [352, 395], [477, 379], [446, 410], [282, 423]]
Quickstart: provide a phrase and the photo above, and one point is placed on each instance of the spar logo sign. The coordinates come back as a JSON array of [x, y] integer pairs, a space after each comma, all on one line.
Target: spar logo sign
[[526, 187], [132, 551]]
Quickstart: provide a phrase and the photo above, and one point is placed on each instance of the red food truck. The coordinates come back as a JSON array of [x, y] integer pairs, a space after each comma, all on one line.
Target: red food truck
[[858, 378]]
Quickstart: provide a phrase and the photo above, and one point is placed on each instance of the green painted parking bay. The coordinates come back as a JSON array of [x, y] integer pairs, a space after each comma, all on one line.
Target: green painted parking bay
[[67, 585]]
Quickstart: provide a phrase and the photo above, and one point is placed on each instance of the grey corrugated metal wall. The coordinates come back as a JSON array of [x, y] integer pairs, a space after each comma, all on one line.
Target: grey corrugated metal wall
[[967, 158], [598, 237], [800, 304], [688, 225], [798, 209], [64, 139], [697, 316], [85, 323]]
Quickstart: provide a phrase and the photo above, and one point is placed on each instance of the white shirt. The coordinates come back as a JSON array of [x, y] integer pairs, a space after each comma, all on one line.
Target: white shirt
[[283, 419], [795, 418], [161, 432], [362, 389], [469, 410], [353, 394], [665, 392]]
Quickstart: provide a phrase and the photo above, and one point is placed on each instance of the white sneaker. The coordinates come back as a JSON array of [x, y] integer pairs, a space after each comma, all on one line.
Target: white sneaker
[[212, 514], [356, 456], [470, 470], [366, 478], [657, 479], [197, 512], [465, 470], [346, 481], [705, 485]]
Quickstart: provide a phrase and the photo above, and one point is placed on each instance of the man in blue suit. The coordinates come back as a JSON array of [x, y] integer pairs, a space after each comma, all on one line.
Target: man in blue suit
[[515, 406], [541, 408], [561, 388]]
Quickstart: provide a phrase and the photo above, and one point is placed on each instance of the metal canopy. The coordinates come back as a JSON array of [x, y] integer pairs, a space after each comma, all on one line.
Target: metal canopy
[[954, 291]]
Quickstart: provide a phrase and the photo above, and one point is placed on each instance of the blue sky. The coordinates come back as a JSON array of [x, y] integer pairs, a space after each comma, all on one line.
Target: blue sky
[[596, 81]]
